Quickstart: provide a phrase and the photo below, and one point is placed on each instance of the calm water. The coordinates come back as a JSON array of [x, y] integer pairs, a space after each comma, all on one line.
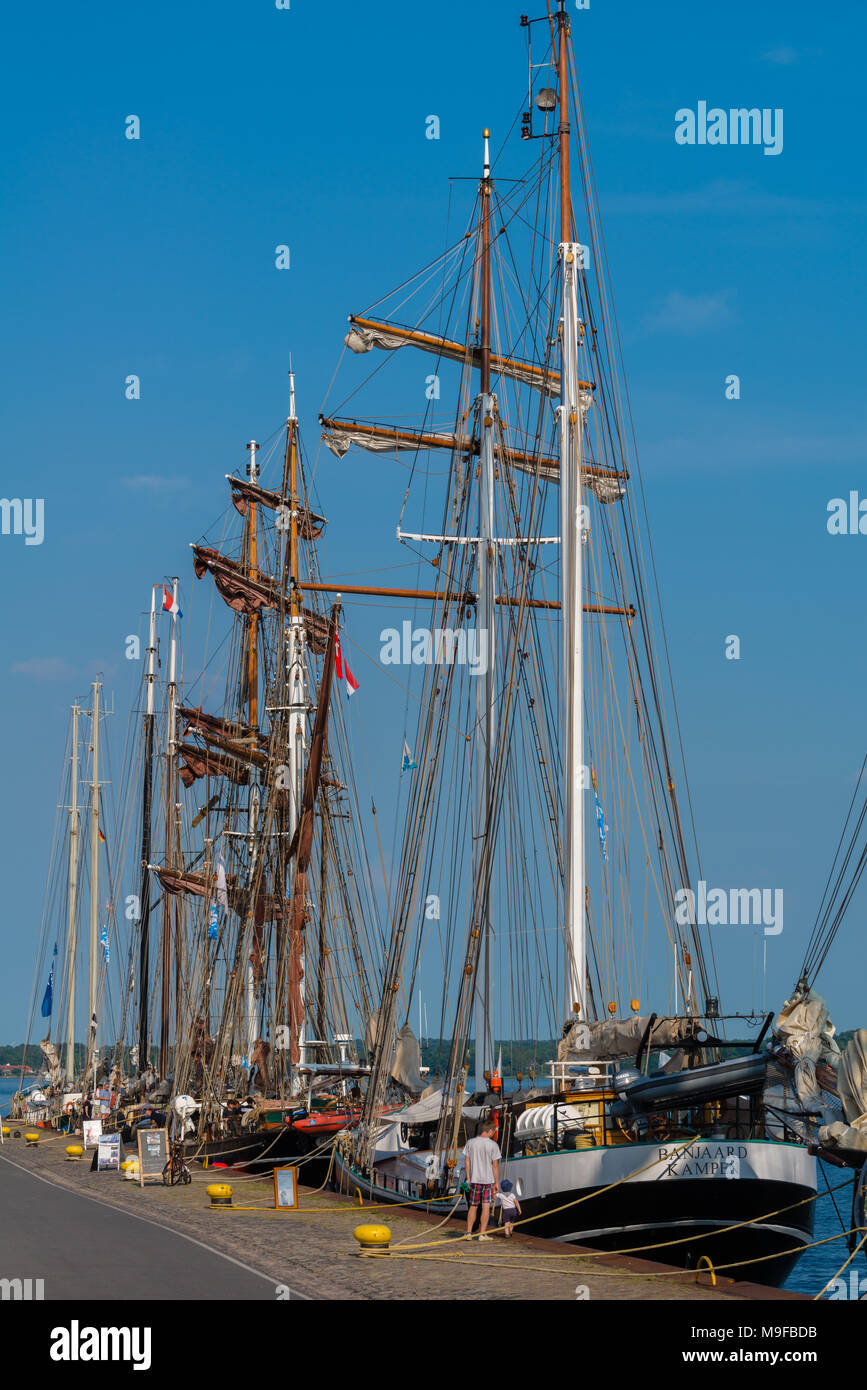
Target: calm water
[[813, 1269]]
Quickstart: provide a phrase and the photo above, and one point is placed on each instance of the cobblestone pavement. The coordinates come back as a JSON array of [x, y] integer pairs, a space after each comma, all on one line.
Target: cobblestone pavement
[[313, 1254]]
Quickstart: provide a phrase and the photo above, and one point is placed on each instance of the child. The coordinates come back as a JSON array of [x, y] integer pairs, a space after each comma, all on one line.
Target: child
[[509, 1206]]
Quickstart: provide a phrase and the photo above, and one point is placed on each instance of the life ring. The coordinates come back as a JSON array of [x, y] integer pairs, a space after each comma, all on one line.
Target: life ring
[[70, 1107]]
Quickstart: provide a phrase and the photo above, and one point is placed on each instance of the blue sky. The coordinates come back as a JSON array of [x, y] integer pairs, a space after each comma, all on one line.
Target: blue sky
[[306, 127]]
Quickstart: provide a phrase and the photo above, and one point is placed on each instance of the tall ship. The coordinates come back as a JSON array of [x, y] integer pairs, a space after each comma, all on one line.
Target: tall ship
[[253, 954], [226, 992], [545, 816]]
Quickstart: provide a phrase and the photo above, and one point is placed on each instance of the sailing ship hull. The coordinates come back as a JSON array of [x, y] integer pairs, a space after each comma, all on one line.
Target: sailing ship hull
[[674, 1201], [684, 1204]]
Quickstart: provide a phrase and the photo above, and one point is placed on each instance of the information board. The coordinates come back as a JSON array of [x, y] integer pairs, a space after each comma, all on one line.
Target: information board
[[285, 1187], [153, 1153], [90, 1133], [108, 1154]]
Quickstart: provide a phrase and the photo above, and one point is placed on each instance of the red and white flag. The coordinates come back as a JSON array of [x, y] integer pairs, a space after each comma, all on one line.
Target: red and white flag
[[342, 668], [170, 603]]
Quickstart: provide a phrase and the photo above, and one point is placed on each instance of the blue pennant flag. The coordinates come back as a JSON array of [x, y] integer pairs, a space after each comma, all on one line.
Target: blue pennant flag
[[600, 818], [409, 761], [600, 821], [103, 941], [48, 996], [213, 922]]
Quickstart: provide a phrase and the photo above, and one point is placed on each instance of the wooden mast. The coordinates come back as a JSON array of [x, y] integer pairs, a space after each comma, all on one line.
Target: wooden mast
[[563, 130], [172, 856], [253, 618], [321, 991], [287, 521], [92, 976], [145, 896]]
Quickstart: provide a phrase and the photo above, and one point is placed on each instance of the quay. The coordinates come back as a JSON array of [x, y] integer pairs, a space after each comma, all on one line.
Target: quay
[[95, 1235]]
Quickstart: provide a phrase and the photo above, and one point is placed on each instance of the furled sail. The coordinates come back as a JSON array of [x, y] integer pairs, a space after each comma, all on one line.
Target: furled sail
[[340, 435], [805, 1025], [365, 334], [852, 1085], [852, 1079], [241, 593], [52, 1062], [406, 1067], [302, 845], [619, 1037], [212, 726], [808, 1033], [204, 762], [177, 881], [243, 493], [245, 595]]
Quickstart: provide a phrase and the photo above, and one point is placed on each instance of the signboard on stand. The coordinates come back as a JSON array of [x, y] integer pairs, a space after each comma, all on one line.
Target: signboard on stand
[[153, 1154], [108, 1154], [90, 1133], [286, 1187]]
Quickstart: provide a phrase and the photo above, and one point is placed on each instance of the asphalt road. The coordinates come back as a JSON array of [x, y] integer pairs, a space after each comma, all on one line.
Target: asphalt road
[[83, 1249]]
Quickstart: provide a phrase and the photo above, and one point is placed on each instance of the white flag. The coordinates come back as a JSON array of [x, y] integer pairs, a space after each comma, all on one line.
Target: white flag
[[222, 890]]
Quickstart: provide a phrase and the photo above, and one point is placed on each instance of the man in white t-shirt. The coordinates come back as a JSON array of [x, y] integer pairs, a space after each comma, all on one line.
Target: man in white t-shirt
[[482, 1165]]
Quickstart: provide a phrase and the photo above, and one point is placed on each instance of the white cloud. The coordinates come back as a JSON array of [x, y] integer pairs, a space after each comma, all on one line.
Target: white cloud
[[152, 482], [690, 313], [784, 56], [720, 196], [43, 668]]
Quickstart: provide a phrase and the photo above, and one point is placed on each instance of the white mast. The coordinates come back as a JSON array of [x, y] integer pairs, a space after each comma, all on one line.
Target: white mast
[[145, 897], [571, 422], [73, 905], [94, 885], [571, 414], [486, 579]]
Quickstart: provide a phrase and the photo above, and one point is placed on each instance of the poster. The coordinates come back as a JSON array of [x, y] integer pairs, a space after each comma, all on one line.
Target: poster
[[108, 1153], [90, 1133], [286, 1187]]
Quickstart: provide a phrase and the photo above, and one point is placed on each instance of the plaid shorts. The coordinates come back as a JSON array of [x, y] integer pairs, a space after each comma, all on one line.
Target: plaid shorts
[[480, 1193]]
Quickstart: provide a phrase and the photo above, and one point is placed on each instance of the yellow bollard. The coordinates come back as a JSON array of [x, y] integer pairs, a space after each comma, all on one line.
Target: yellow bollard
[[131, 1169], [73, 1153], [6, 1131], [372, 1237], [32, 1139], [220, 1194]]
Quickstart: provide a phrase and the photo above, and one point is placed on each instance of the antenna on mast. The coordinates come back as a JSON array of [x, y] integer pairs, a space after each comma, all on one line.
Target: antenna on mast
[[292, 415]]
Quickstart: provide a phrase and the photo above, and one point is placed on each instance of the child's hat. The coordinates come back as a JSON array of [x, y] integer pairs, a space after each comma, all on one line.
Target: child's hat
[[505, 1185]]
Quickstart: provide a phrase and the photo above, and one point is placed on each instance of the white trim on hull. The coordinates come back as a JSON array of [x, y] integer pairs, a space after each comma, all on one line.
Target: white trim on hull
[[542, 1175]]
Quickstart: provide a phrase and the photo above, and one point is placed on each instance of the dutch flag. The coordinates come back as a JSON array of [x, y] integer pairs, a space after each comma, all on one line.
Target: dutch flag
[[170, 603]]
